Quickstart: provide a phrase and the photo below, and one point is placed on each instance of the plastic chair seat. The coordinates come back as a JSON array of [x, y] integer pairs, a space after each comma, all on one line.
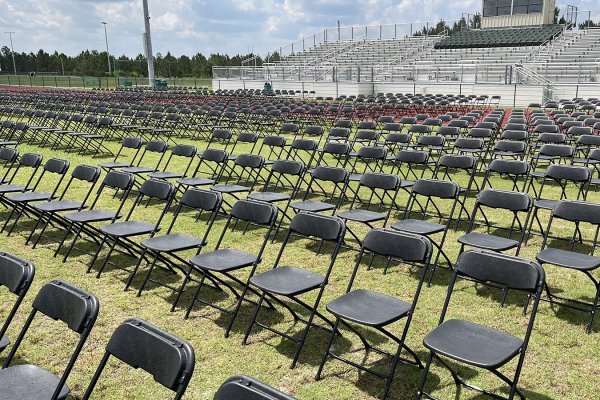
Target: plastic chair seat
[[56, 206], [489, 242], [545, 204], [11, 188], [473, 344], [223, 260], [29, 382], [269, 197], [288, 281], [355, 177], [128, 228], [29, 197], [4, 342], [171, 242], [138, 170], [165, 175], [368, 308], [568, 259], [116, 164], [312, 206], [361, 215], [230, 188], [90, 216], [196, 181], [418, 226]]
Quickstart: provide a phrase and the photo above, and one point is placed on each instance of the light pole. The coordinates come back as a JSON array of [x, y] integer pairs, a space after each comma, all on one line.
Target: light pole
[[148, 44], [107, 53], [12, 52]]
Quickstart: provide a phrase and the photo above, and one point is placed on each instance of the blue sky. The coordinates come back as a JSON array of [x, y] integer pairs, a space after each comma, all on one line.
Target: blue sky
[[190, 26]]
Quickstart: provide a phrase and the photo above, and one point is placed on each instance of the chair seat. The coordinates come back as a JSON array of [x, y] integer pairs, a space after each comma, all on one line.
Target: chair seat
[[269, 197], [418, 226], [171, 242], [287, 281], [489, 242], [90, 216], [405, 184], [11, 188], [138, 170], [29, 197], [545, 204], [230, 188], [368, 308], [223, 260], [4, 342], [56, 206], [116, 164], [568, 259], [165, 175], [361, 215], [538, 174], [473, 344], [196, 181], [312, 206], [29, 382], [355, 177], [128, 228]]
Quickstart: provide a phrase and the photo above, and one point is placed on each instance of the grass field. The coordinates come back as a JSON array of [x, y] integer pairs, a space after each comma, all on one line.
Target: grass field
[[562, 361]]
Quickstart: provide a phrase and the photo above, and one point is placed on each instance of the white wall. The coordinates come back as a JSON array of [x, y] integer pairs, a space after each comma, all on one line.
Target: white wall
[[511, 95]]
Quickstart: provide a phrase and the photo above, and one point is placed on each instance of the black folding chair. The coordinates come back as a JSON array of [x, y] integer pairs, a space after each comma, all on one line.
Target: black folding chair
[[379, 193], [21, 202], [435, 192], [30, 162], [16, 274], [581, 258], [214, 161], [514, 170], [121, 233], [291, 282], [131, 145], [59, 301], [185, 154], [569, 178], [8, 158], [371, 309], [478, 345], [47, 211], [137, 343], [514, 203], [241, 387], [226, 261], [164, 247], [242, 177]]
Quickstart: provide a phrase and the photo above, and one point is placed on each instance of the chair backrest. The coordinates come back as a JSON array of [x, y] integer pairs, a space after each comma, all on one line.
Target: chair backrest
[[63, 302], [405, 246], [507, 271], [169, 359], [505, 199], [577, 211], [16, 274], [318, 226], [332, 174], [119, 180], [241, 387], [436, 188]]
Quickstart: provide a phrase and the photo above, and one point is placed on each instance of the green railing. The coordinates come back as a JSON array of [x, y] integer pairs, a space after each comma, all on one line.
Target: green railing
[[88, 82]]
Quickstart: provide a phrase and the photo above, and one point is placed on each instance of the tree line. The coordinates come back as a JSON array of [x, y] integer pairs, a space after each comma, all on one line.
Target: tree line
[[95, 63]]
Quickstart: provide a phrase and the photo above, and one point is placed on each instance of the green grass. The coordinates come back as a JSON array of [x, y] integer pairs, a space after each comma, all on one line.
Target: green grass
[[562, 361]]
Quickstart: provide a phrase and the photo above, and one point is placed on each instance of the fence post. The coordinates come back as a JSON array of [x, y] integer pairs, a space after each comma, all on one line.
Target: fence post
[[8, 80], [83, 81], [43, 83], [515, 96], [55, 82], [30, 81], [19, 80], [69, 80]]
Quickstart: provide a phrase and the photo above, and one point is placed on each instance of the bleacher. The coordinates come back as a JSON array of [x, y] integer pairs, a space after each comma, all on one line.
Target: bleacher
[[486, 38]]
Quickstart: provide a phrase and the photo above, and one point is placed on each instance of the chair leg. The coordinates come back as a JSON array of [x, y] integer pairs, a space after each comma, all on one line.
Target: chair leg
[[150, 268], [251, 325], [95, 257], [196, 294], [132, 274], [420, 392], [181, 288], [328, 349], [593, 311]]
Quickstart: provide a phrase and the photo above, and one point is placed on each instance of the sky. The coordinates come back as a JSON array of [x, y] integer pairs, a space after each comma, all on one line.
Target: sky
[[207, 26]]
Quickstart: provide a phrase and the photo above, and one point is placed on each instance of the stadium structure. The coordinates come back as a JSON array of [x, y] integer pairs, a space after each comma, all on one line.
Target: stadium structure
[[514, 49]]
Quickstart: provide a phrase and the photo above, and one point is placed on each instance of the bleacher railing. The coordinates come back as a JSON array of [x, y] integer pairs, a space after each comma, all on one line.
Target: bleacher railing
[[348, 33]]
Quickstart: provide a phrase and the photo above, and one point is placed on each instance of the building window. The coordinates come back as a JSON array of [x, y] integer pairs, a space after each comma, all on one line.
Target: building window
[[494, 8]]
